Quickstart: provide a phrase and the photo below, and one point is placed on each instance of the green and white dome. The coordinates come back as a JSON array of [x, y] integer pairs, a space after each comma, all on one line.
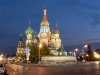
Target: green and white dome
[[52, 36], [29, 31], [62, 51]]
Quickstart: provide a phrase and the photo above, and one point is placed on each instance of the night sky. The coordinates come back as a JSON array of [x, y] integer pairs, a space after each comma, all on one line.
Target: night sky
[[77, 20]]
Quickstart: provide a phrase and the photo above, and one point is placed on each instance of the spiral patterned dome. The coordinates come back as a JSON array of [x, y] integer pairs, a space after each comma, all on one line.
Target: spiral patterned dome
[[29, 31], [52, 36]]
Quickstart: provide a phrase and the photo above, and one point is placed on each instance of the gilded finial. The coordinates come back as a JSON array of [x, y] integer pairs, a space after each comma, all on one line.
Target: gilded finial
[[56, 24], [20, 34]]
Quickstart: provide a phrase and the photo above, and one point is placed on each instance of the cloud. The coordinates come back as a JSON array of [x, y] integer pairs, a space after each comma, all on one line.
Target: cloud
[[91, 40], [66, 38], [83, 8], [93, 17], [71, 3], [90, 5], [96, 31]]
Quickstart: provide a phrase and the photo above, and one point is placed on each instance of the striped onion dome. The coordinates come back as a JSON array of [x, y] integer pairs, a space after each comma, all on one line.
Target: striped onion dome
[[29, 31]]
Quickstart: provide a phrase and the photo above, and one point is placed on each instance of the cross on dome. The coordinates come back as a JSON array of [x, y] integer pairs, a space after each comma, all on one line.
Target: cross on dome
[[29, 22]]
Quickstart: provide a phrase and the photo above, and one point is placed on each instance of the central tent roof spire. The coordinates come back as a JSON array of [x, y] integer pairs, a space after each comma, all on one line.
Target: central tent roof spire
[[45, 17]]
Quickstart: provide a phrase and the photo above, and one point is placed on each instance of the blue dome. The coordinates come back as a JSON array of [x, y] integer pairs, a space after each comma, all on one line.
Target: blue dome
[[43, 29]]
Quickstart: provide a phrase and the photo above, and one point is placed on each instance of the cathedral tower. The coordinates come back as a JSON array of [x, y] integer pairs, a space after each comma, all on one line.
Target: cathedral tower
[[55, 41], [44, 34], [29, 33], [20, 48]]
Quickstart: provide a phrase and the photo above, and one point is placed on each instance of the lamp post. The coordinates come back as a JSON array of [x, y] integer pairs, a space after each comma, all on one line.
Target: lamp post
[[98, 57], [83, 52], [75, 51], [40, 45], [27, 56], [87, 56]]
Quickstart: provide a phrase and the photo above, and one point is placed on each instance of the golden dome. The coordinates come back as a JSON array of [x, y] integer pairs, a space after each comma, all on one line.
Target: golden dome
[[52, 36]]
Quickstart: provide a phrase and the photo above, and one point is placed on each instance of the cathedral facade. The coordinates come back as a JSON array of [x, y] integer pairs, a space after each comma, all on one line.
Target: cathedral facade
[[45, 36]]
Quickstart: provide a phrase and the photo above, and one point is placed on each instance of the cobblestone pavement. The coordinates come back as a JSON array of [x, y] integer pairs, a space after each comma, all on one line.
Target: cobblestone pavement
[[89, 68]]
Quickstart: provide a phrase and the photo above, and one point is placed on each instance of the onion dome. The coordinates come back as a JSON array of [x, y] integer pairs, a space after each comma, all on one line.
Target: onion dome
[[29, 31], [56, 30], [52, 36], [62, 51]]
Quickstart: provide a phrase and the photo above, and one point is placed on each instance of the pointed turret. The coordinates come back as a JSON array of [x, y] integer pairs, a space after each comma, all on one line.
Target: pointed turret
[[20, 39], [20, 43], [20, 49]]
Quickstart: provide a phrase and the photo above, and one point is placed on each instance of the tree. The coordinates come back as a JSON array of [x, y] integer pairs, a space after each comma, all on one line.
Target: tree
[[44, 50], [34, 51]]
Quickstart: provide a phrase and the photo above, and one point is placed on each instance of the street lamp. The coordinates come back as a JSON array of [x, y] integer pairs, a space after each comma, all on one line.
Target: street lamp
[[87, 56], [97, 56], [75, 51], [83, 52], [2, 55], [0, 58], [72, 53], [40, 45]]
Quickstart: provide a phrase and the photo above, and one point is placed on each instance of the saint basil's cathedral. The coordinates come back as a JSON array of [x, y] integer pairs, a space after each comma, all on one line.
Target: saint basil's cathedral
[[45, 36]]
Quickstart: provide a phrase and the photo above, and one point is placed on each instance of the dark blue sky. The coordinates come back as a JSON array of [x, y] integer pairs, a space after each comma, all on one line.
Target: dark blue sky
[[78, 21]]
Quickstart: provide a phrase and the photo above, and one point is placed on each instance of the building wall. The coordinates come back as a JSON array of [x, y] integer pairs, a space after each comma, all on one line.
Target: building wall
[[58, 60]]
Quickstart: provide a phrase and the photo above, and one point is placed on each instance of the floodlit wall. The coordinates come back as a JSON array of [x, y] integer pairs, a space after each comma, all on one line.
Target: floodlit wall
[[58, 60]]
